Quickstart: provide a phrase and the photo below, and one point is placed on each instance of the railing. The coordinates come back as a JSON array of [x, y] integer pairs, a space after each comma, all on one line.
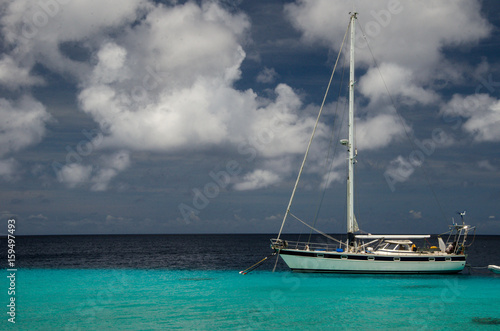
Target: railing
[[302, 245]]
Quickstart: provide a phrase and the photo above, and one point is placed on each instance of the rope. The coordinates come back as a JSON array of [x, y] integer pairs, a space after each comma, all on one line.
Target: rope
[[312, 136], [320, 232], [471, 267], [473, 239], [332, 139], [277, 258], [256, 265]]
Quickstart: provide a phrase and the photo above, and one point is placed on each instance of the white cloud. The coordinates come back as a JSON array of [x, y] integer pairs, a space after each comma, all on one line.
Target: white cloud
[[267, 75], [394, 29], [36, 29], [13, 76], [110, 66], [177, 91], [163, 84], [408, 53], [378, 131], [39, 217], [486, 165], [111, 166], [415, 214], [259, 178], [34, 33], [399, 170], [8, 169], [113, 220], [161, 77], [399, 81], [99, 176], [331, 177], [482, 114], [23, 124], [74, 174], [179, 94]]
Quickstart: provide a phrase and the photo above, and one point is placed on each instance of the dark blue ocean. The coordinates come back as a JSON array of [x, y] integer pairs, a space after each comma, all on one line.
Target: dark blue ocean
[[191, 282]]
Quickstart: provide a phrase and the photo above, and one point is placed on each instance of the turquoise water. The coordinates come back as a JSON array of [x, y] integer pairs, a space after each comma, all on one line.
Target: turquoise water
[[112, 299]]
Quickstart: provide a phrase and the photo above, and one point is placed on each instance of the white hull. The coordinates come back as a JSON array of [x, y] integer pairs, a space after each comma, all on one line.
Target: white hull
[[305, 261], [494, 268]]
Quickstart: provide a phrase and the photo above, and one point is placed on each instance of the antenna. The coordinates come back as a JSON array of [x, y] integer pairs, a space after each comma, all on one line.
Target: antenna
[[462, 215]]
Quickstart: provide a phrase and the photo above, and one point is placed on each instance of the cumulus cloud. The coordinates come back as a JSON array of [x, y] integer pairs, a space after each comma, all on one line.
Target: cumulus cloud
[[259, 178], [377, 131], [400, 170], [331, 177], [13, 75], [387, 26], [23, 123], [175, 90], [401, 82], [34, 32], [408, 65], [110, 65], [37, 29], [481, 113], [110, 167], [159, 77], [8, 169], [486, 165], [98, 176], [267, 75], [409, 57], [155, 77], [74, 174]]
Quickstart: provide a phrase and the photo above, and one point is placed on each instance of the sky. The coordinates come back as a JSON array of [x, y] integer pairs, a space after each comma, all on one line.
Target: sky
[[145, 117]]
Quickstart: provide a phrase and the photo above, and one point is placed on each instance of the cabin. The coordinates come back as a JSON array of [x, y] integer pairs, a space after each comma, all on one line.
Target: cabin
[[397, 246]]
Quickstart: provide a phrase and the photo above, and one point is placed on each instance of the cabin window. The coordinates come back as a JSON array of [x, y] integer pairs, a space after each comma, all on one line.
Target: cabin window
[[391, 246]]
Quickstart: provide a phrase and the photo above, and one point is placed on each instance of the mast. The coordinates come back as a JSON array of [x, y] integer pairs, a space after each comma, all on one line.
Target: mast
[[350, 143]]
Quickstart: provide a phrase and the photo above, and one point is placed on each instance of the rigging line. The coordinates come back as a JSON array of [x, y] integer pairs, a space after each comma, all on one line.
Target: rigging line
[[318, 231], [277, 258], [332, 139], [473, 239], [312, 136], [402, 123]]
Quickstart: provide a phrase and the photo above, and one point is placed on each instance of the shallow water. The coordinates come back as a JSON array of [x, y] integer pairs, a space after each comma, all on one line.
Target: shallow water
[[192, 283], [82, 299]]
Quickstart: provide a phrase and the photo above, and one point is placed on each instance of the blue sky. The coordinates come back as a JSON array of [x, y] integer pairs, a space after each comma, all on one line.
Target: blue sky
[[138, 116]]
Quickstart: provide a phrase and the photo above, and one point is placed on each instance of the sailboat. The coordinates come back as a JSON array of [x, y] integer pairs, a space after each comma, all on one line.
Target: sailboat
[[367, 253]]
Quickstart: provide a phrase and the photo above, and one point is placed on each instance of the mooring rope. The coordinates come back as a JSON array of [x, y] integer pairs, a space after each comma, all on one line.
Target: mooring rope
[[256, 265]]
